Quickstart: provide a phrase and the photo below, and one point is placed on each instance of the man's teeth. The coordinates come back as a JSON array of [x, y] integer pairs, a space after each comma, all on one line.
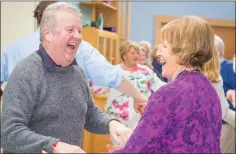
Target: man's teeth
[[72, 43]]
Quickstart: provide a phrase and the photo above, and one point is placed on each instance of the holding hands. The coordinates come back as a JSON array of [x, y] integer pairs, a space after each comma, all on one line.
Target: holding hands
[[118, 130]]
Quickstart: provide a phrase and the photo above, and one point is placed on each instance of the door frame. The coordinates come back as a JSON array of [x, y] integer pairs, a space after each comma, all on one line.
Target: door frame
[[159, 20]]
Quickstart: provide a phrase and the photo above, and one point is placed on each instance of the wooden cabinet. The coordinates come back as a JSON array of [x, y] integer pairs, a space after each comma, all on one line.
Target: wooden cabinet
[[96, 143], [105, 41]]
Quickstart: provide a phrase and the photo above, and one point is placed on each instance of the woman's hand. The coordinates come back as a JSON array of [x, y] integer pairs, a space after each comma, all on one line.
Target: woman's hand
[[119, 130], [140, 104], [230, 96]]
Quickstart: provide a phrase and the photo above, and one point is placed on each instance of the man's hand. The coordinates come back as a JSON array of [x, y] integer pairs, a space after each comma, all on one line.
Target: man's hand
[[140, 104], [61, 147], [230, 96], [118, 130]]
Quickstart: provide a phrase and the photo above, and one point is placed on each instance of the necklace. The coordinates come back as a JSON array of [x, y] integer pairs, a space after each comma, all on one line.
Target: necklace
[[183, 70]]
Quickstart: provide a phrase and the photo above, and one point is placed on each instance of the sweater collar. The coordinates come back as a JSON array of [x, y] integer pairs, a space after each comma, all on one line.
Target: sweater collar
[[47, 60]]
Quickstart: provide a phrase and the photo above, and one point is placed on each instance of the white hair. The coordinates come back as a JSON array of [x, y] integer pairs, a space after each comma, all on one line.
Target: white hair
[[145, 43], [49, 15], [220, 45], [142, 49]]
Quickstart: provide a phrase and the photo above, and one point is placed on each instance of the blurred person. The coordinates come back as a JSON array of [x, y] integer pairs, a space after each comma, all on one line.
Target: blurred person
[[47, 100], [226, 67], [143, 59], [143, 78], [212, 72], [147, 46], [230, 94], [157, 66], [228, 77], [183, 116], [88, 57]]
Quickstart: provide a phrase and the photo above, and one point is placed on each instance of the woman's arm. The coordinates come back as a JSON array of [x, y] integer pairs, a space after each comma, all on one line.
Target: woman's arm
[[151, 125]]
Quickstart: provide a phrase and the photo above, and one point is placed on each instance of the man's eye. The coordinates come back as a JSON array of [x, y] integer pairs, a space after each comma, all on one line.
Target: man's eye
[[70, 30]]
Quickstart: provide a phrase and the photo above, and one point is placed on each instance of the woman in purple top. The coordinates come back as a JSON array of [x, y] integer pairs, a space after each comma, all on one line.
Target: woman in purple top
[[183, 116]]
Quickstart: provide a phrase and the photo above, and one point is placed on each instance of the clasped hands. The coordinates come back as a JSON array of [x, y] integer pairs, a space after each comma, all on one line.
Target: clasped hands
[[116, 130], [139, 106]]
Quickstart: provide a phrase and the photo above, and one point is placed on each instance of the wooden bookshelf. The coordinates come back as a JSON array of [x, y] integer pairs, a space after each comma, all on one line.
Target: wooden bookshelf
[[104, 41], [109, 11], [101, 5], [107, 43]]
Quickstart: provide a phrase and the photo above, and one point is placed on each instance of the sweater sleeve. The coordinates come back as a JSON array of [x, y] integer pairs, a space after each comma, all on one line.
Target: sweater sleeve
[[96, 121], [18, 104]]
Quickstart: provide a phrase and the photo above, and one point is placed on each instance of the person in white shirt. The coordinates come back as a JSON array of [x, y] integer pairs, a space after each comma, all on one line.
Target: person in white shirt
[[212, 72]]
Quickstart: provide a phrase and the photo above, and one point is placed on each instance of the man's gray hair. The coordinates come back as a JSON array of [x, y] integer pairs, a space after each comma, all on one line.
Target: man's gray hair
[[220, 45], [49, 16]]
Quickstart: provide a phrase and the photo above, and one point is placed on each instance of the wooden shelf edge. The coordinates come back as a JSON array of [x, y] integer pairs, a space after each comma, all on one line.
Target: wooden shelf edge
[[99, 5], [101, 32]]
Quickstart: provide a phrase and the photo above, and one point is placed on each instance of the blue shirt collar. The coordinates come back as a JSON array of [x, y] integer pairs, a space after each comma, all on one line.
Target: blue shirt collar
[[47, 60]]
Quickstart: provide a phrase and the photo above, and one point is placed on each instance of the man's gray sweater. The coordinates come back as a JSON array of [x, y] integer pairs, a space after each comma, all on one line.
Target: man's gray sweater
[[42, 105]]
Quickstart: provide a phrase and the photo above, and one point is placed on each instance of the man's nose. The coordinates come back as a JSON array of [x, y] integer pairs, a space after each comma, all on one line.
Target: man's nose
[[77, 35]]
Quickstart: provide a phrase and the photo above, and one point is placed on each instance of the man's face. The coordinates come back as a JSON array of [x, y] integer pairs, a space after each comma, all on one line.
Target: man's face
[[66, 38]]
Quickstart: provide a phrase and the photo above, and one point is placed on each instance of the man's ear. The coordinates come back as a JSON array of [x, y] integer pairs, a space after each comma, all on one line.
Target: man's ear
[[47, 34]]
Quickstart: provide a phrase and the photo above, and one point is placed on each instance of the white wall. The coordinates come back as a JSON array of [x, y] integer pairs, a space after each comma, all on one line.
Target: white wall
[[16, 21]]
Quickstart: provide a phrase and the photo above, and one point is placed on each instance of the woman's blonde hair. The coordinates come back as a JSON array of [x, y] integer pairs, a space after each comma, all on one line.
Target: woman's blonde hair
[[211, 69], [124, 48], [191, 39]]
